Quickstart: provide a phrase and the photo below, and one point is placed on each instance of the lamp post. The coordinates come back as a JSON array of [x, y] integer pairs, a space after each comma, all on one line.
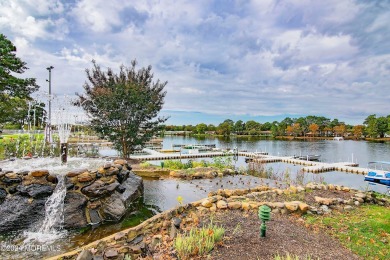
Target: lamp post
[[48, 136]]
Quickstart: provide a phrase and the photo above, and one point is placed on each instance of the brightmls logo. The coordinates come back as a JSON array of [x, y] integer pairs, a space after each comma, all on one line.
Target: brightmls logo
[[5, 247]]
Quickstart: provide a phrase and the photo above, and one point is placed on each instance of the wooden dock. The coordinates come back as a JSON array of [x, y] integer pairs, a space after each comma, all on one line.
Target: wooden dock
[[262, 157]]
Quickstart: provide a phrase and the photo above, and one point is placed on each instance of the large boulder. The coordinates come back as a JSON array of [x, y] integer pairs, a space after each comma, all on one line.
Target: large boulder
[[134, 188], [113, 207], [39, 191], [18, 212], [74, 210]]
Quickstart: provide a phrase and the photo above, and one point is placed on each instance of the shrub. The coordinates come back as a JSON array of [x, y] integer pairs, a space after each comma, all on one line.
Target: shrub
[[198, 242]]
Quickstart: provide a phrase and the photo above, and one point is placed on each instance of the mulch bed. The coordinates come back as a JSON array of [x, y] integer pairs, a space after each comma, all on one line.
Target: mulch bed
[[284, 235]]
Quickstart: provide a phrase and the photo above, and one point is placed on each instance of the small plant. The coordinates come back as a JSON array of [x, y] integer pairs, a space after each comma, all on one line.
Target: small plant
[[198, 242], [144, 165], [180, 200]]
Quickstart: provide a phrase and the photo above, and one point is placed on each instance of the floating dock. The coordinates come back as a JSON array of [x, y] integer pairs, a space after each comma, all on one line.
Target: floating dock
[[262, 157]]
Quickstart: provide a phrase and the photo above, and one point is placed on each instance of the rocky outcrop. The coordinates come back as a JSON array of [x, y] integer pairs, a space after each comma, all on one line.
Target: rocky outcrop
[[74, 210], [92, 196], [19, 212]]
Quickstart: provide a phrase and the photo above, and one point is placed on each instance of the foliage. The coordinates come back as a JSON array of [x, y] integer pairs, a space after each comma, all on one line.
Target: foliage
[[222, 162], [144, 165], [123, 108], [318, 125], [365, 231], [180, 200], [13, 90], [198, 242]]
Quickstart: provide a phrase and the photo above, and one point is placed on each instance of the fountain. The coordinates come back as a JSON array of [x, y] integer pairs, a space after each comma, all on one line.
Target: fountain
[[64, 128]]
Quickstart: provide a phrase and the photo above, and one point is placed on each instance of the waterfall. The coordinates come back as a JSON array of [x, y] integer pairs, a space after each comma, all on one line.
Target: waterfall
[[54, 208], [50, 230]]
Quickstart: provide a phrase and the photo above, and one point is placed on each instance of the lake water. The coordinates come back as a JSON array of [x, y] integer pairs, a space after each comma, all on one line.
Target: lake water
[[331, 151]]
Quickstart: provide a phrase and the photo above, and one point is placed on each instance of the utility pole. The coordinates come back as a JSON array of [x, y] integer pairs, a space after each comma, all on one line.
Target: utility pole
[[48, 136]]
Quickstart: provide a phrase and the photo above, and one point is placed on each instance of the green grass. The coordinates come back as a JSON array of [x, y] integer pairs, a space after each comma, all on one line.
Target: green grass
[[198, 241], [365, 231]]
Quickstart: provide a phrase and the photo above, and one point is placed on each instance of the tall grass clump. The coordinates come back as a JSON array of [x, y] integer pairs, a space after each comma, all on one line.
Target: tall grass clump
[[198, 241]]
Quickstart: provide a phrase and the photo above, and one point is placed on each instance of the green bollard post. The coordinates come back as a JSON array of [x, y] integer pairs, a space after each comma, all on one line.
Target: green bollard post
[[162, 165], [264, 215]]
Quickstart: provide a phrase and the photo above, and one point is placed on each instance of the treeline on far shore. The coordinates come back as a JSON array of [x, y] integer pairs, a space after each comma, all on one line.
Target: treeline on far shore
[[310, 126]]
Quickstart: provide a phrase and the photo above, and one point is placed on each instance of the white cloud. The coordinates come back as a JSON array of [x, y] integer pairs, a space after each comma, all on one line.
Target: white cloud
[[258, 57]]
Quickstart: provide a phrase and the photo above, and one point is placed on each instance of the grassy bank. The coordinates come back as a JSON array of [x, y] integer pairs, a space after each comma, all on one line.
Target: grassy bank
[[365, 231]]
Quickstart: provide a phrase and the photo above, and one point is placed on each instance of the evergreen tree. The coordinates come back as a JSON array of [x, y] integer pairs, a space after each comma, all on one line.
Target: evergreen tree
[[123, 107], [12, 87]]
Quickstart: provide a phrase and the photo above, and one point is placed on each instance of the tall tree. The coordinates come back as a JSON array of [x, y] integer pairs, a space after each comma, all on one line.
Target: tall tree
[[12, 87], [123, 107]]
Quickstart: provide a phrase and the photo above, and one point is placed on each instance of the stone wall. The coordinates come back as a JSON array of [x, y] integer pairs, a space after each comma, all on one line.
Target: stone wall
[[92, 196]]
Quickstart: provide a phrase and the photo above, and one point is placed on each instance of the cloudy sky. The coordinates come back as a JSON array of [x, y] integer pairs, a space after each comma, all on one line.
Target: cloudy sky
[[261, 60]]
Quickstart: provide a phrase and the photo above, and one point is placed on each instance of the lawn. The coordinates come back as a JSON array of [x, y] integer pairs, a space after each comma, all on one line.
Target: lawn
[[365, 231]]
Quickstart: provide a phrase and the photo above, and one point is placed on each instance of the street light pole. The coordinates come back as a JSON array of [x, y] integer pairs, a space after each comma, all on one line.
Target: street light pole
[[49, 123]]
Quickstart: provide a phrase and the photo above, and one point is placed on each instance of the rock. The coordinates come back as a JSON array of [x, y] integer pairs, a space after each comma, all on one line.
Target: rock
[[345, 189], [85, 177], [357, 203], [323, 201], [228, 172], [120, 235], [245, 206], [134, 189], [331, 187], [234, 205], [94, 217], [75, 173], [303, 207], [113, 208], [11, 178], [51, 178], [74, 210], [99, 189], [221, 204], [111, 253], [348, 208], [123, 175], [85, 255], [39, 191], [176, 222], [360, 195], [19, 213], [279, 205], [213, 207], [291, 206], [360, 200], [107, 166], [3, 194], [111, 171], [39, 173], [121, 162], [206, 203], [325, 209], [173, 232]]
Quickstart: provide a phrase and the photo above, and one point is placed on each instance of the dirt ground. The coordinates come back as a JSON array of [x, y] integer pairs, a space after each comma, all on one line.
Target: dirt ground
[[284, 235]]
